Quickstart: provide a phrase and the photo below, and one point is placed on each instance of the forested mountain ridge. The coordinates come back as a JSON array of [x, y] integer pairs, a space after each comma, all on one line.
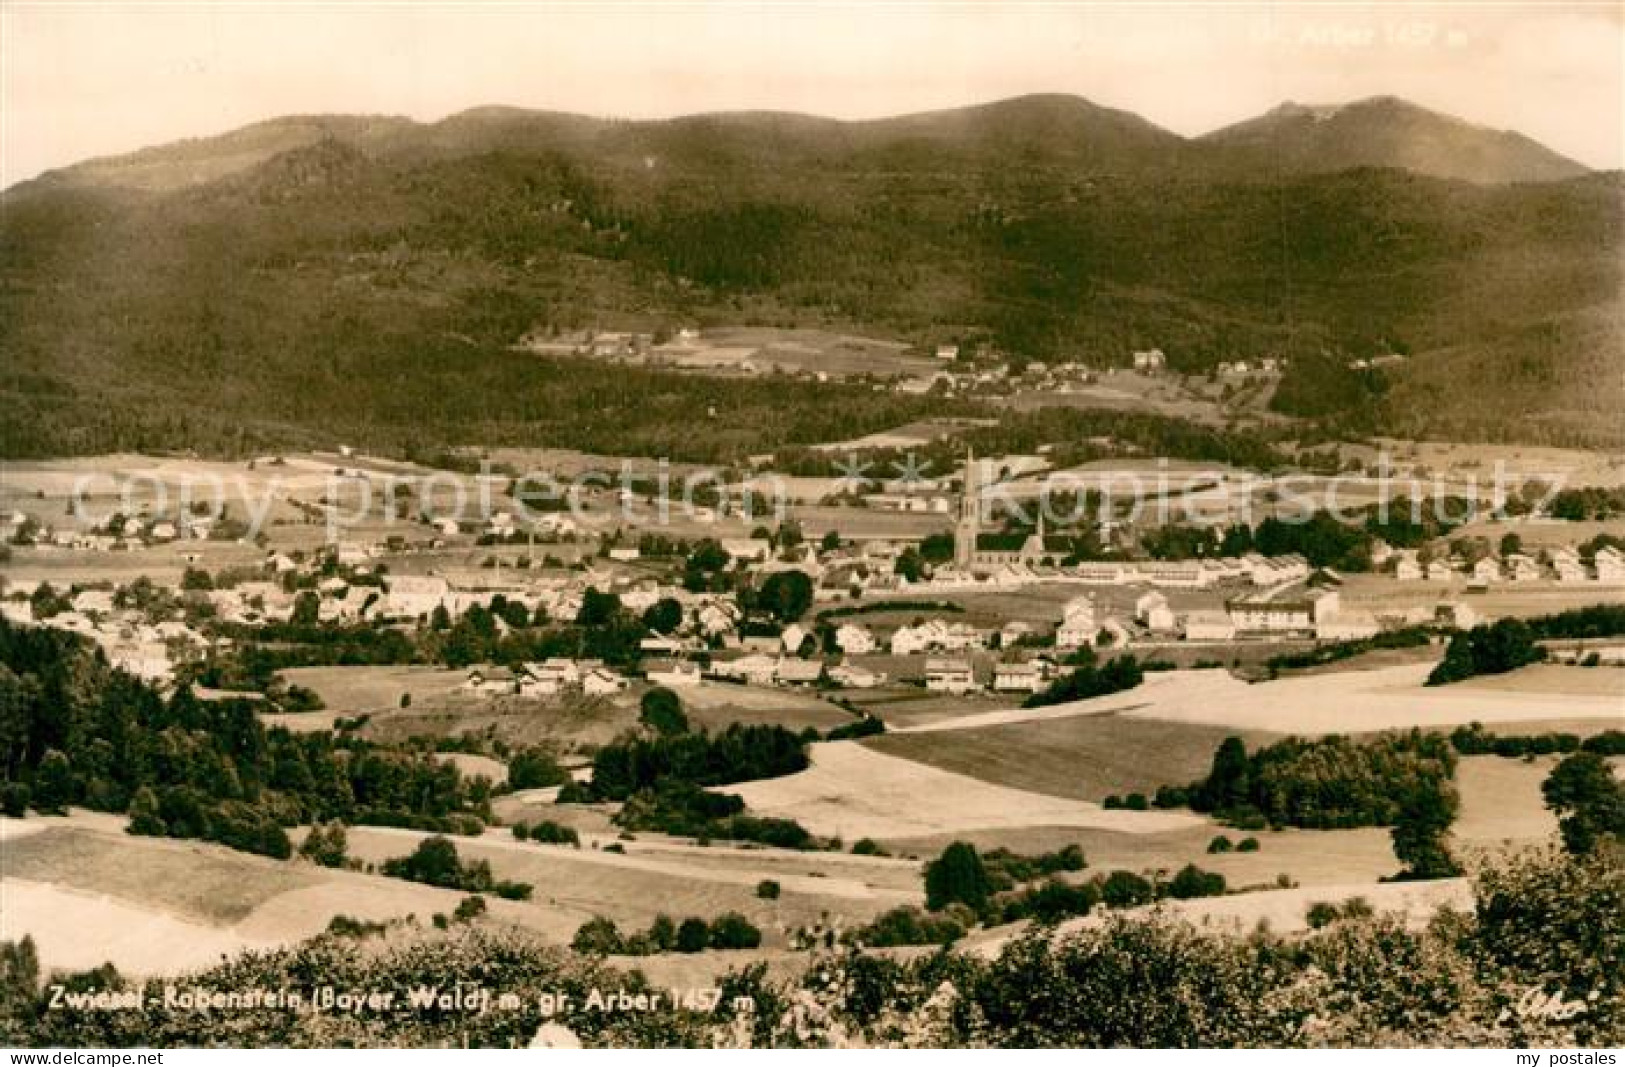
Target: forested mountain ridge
[[365, 277]]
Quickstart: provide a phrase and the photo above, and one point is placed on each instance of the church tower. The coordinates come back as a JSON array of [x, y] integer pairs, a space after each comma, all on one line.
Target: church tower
[[1033, 550], [969, 527]]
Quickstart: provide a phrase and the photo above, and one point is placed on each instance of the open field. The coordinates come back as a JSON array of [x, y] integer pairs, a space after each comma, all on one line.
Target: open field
[[909, 435], [472, 766], [1555, 678], [1542, 533], [1308, 857], [1344, 702], [89, 893], [1501, 805], [852, 792], [907, 706], [62, 568], [77, 931], [1380, 594], [716, 704], [520, 721], [635, 887], [1129, 391], [1083, 758], [1575, 466], [867, 524], [1501, 800], [193, 881], [441, 707], [1281, 911], [728, 348], [357, 690]]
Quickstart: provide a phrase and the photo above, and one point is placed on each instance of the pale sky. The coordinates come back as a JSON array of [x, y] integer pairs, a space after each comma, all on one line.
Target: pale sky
[[86, 79]]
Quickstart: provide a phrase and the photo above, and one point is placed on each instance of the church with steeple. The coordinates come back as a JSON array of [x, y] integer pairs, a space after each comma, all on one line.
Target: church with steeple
[[975, 550]]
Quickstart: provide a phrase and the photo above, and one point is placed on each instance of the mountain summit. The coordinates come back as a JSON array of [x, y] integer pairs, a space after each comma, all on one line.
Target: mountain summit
[[1383, 131]]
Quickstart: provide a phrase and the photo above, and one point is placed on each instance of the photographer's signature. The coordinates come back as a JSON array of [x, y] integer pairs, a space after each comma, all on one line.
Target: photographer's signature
[[1537, 1003]]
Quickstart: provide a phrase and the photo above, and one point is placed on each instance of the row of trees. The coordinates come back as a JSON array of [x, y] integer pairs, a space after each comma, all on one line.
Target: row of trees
[[730, 930]]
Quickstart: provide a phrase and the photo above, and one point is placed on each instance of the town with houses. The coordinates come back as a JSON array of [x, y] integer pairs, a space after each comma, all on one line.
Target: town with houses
[[1131, 604]]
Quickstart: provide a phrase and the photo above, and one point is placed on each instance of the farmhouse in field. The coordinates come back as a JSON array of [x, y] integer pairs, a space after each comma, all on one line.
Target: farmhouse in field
[[949, 676]]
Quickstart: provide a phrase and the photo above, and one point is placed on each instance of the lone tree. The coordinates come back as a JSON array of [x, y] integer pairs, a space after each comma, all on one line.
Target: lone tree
[[535, 768], [435, 862], [664, 615], [1227, 787], [1421, 831], [326, 845], [957, 877], [662, 711], [693, 936], [1588, 800], [786, 595]]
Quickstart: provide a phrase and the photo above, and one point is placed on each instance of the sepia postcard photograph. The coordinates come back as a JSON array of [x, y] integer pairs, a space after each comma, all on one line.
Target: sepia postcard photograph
[[812, 525]]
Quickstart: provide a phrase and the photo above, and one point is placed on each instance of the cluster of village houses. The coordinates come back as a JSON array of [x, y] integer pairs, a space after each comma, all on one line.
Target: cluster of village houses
[[1563, 565], [1279, 597], [1257, 598], [130, 533], [1061, 377]]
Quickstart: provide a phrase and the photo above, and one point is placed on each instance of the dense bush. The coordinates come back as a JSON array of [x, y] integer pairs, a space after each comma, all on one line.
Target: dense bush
[[1334, 651], [1049, 901], [868, 726], [661, 710], [435, 862], [1006, 868], [600, 937], [740, 753], [535, 768], [1496, 648], [684, 809], [908, 925], [326, 845], [547, 832], [1122, 672], [1595, 620], [1332, 782], [1589, 801], [957, 877], [1191, 882]]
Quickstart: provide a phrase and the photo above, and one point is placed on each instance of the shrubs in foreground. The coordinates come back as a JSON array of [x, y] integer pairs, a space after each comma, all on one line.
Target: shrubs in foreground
[[1549, 930]]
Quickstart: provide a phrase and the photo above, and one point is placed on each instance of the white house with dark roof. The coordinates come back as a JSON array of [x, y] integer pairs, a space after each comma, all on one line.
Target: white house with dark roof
[[945, 675]]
